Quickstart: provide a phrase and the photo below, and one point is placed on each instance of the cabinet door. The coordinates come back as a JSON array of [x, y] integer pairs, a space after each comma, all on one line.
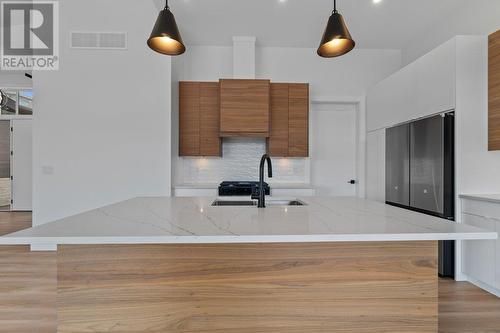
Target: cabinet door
[[397, 166], [298, 117], [278, 139], [245, 107], [375, 165], [494, 91], [436, 80], [22, 160], [189, 118], [210, 141], [427, 164]]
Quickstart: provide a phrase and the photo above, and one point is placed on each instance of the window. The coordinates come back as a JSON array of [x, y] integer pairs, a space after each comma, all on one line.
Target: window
[[18, 102], [26, 102]]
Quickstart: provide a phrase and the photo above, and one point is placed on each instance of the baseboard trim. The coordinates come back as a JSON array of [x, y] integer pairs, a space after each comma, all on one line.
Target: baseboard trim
[[482, 285]]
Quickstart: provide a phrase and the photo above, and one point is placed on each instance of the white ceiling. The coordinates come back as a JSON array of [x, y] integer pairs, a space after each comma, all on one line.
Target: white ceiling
[[390, 24]]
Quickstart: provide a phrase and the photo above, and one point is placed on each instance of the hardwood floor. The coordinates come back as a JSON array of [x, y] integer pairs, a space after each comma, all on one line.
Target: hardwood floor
[[28, 283], [464, 308], [28, 292], [28, 289], [14, 221]]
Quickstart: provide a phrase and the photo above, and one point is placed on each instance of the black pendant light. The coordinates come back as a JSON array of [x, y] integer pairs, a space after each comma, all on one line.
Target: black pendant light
[[336, 40], [165, 37]]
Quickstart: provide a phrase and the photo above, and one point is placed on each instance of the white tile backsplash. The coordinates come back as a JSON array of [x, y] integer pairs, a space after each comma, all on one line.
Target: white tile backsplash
[[240, 161]]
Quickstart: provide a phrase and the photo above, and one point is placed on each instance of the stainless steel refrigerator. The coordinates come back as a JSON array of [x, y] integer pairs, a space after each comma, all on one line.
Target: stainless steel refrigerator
[[420, 173]]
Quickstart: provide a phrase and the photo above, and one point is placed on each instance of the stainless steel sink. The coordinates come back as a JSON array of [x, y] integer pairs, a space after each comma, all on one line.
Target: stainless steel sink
[[285, 203], [220, 202], [233, 203]]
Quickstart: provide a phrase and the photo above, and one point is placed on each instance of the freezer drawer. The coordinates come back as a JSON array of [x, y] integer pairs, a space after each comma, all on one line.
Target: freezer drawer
[[427, 164], [398, 165]]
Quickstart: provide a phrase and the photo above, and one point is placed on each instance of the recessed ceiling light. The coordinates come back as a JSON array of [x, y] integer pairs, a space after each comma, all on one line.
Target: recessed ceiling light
[[377, 1]]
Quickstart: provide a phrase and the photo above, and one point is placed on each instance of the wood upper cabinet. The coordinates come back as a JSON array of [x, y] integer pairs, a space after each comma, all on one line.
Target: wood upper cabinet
[[494, 91], [210, 141], [244, 108], [289, 135], [298, 117], [277, 144], [189, 118], [199, 119]]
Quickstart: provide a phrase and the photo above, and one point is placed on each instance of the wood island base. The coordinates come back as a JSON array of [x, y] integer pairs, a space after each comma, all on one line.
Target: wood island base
[[249, 288]]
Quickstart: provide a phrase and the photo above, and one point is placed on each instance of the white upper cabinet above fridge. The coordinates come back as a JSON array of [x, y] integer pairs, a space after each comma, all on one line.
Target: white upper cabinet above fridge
[[424, 87], [436, 80]]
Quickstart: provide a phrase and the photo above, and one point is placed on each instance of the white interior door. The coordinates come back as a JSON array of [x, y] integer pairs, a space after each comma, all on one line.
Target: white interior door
[[22, 156], [334, 149]]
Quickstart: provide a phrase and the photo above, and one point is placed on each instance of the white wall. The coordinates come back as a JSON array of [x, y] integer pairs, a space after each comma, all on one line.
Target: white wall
[[102, 122], [14, 80], [477, 168], [347, 76], [340, 79], [478, 17]]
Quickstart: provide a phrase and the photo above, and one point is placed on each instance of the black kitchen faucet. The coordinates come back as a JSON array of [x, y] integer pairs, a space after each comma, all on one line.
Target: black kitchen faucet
[[261, 192]]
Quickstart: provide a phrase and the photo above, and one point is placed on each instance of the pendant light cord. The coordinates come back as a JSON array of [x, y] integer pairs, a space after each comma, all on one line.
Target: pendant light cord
[[166, 4], [334, 6]]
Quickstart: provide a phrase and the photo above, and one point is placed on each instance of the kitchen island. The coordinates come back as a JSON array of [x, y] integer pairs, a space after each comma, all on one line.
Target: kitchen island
[[183, 265]]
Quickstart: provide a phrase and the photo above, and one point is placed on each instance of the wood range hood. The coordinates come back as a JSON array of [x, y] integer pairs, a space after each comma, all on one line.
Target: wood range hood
[[244, 108]]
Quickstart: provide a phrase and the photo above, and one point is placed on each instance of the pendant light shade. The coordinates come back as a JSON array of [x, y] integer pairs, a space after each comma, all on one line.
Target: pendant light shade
[[166, 38], [336, 40]]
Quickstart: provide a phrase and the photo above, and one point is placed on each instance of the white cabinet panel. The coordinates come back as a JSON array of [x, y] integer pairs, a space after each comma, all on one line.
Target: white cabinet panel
[[479, 256], [393, 100], [22, 147], [436, 80], [375, 166], [424, 87], [497, 258]]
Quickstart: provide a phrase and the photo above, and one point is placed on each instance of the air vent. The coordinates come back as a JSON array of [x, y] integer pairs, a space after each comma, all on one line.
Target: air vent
[[99, 40]]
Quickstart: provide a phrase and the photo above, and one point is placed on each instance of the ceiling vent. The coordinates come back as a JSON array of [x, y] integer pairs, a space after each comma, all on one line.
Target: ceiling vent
[[98, 40]]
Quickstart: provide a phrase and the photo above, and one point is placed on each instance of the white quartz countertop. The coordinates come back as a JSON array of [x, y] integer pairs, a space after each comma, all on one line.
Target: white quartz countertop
[[162, 220], [482, 197]]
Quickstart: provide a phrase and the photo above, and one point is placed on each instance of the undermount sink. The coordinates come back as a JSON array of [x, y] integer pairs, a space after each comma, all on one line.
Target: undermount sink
[[285, 203], [234, 203], [219, 202]]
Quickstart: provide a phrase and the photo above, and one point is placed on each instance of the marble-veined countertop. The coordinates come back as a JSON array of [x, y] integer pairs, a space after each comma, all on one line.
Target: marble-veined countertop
[[165, 220]]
